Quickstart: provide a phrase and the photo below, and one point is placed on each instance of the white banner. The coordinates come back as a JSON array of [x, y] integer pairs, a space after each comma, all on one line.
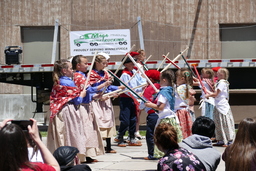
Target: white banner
[[112, 42]]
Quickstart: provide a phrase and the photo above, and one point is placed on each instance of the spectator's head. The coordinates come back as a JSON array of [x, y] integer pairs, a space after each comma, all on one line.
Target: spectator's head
[[203, 126], [242, 152], [246, 132], [66, 155], [166, 137], [13, 148]]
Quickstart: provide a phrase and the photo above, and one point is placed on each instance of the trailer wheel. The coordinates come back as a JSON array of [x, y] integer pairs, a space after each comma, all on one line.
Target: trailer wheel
[[120, 43], [78, 45], [124, 43], [96, 44], [91, 44]]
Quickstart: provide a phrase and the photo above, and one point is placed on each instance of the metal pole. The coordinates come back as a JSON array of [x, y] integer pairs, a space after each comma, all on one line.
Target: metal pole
[[140, 33], [54, 44]]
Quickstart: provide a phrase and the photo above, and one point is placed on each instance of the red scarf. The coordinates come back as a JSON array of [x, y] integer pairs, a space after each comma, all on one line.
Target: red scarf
[[95, 77], [79, 80], [129, 72], [60, 95]]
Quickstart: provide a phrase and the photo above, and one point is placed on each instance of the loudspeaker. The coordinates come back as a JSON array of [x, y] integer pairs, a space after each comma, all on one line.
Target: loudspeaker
[[13, 54]]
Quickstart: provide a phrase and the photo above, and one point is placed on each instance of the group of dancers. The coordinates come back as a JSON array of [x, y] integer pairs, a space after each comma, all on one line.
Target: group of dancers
[[82, 114]]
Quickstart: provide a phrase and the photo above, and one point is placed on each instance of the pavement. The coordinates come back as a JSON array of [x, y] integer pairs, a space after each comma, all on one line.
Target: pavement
[[131, 158]]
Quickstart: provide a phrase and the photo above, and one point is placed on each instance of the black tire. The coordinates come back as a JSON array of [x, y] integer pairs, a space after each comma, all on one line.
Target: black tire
[[124, 43], [120, 43], [78, 45], [91, 44]]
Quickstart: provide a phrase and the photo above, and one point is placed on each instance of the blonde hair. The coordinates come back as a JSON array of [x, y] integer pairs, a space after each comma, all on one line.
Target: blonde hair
[[184, 72], [208, 71], [99, 59], [140, 51], [225, 72], [57, 71]]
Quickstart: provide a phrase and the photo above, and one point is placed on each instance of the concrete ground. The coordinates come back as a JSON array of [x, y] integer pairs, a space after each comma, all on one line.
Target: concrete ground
[[130, 158]]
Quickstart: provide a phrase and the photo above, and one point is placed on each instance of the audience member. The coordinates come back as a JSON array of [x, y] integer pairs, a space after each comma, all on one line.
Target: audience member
[[68, 160], [241, 155], [200, 143], [175, 158], [14, 152]]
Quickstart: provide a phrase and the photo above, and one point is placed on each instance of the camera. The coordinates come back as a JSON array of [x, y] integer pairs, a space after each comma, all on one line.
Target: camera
[[23, 123]]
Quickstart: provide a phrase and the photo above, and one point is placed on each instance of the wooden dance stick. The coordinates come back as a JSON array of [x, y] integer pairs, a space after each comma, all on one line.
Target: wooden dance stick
[[89, 73], [147, 59], [171, 63], [143, 73], [133, 76], [138, 70], [175, 59], [111, 73], [126, 56], [198, 76], [112, 92], [165, 56], [142, 85], [118, 91], [188, 66]]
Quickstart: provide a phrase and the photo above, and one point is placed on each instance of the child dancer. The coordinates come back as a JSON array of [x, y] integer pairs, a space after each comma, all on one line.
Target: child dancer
[[140, 57], [152, 117], [223, 118], [103, 109], [207, 104], [129, 106], [182, 94], [66, 126], [165, 105], [94, 144]]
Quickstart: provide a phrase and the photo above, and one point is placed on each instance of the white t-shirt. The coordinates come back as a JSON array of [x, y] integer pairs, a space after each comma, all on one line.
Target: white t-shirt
[[210, 99], [221, 101], [37, 156], [166, 112]]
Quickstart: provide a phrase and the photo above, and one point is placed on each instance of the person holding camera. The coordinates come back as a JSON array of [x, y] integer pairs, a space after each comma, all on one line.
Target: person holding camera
[[14, 152]]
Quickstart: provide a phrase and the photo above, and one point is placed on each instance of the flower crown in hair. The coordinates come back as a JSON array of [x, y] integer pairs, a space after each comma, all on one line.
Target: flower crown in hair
[[186, 73]]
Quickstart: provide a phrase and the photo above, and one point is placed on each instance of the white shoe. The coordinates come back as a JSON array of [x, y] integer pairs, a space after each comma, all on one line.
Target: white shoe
[[137, 135]]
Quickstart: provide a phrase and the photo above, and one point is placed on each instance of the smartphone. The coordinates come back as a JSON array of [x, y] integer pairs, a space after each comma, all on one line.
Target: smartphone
[[23, 123]]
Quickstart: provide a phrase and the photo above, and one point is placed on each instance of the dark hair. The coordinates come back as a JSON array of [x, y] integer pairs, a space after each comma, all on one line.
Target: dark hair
[[203, 126], [13, 148], [169, 76], [57, 71], [65, 155], [165, 137], [241, 154], [76, 60]]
